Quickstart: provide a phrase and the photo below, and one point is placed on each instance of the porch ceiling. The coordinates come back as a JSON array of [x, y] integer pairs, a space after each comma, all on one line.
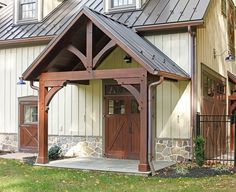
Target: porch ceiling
[[71, 51]]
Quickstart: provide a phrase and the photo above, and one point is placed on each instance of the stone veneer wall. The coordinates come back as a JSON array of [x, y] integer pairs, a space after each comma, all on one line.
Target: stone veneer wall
[[71, 145], [177, 150], [78, 146], [8, 142]]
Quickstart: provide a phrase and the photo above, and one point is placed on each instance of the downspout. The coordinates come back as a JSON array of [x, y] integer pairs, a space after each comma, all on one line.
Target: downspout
[[150, 122], [33, 86], [193, 85]]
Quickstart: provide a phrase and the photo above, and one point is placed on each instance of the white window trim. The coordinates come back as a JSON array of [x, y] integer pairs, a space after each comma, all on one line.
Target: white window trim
[[108, 6], [39, 14]]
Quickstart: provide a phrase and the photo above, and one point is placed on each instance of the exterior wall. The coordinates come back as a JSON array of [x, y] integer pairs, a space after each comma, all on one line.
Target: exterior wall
[[13, 62], [177, 46], [77, 111], [173, 98], [50, 5], [213, 35], [116, 61]]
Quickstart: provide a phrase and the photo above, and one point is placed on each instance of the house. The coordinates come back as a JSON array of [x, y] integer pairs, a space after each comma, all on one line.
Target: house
[[116, 79]]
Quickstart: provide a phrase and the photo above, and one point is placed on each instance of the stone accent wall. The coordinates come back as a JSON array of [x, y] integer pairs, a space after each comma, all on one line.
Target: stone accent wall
[[78, 146], [177, 150], [71, 145], [9, 142]]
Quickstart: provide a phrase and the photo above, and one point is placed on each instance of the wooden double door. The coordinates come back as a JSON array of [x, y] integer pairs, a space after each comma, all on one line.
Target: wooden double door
[[122, 127]]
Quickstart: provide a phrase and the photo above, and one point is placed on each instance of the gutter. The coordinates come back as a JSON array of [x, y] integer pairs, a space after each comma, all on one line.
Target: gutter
[[193, 85], [168, 26], [33, 86], [150, 122]]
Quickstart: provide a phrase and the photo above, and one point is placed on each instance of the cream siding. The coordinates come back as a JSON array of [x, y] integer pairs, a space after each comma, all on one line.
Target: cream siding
[[173, 98], [12, 63], [75, 110], [50, 5], [116, 61], [213, 35]]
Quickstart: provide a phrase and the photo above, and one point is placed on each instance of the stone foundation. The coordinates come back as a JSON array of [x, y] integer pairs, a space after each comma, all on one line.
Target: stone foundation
[[9, 142], [78, 146], [71, 145], [177, 150]]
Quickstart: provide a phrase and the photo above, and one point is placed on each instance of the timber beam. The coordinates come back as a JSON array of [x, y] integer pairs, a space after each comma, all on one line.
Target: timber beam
[[92, 75]]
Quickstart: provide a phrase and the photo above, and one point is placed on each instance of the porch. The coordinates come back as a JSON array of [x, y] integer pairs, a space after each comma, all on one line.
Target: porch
[[79, 56], [106, 164]]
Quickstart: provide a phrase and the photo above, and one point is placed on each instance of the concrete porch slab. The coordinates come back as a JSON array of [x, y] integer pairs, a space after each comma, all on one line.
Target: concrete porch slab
[[104, 164]]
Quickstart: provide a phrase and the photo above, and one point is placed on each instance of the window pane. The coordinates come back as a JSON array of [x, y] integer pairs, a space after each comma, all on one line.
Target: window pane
[[30, 114], [116, 107], [27, 9], [117, 3], [134, 106]]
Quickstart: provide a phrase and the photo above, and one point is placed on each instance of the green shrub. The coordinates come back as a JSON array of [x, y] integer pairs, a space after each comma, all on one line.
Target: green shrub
[[199, 150], [54, 152], [181, 169]]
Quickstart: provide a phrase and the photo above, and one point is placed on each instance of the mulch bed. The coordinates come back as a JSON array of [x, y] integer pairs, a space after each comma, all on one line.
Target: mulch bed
[[5, 152], [195, 171]]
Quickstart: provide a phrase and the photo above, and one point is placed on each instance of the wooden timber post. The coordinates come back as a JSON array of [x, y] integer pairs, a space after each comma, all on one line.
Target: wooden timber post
[[43, 124], [144, 164]]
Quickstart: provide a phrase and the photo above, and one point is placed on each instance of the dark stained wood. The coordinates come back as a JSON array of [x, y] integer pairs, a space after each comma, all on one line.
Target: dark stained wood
[[28, 131], [43, 125], [96, 74], [89, 44], [78, 53], [107, 48], [122, 131], [213, 102], [143, 164], [50, 95]]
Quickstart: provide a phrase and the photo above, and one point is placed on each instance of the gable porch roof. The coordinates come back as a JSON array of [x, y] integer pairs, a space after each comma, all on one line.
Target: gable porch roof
[[147, 55]]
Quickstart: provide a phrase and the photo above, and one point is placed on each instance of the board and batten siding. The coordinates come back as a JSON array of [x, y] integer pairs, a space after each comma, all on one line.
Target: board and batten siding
[[49, 6], [173, 109], [74, 110], [13, 62]]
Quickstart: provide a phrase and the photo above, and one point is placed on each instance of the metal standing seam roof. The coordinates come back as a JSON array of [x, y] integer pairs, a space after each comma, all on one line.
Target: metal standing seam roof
[[151, 55], [155, 12], [155, 61]]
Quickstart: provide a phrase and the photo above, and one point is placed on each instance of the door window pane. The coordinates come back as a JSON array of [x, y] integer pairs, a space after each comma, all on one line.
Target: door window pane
[[134, 106], [30, 114], [116, 107]]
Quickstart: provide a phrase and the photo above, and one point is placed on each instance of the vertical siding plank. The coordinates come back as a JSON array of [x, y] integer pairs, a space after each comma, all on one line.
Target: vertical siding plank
[[96, 116], [7, 103], [89, 110], [159, 110], [175, 118], [166, 109], [81, 114], [68, 108], [2, 92], [75, 110], [61, 111]]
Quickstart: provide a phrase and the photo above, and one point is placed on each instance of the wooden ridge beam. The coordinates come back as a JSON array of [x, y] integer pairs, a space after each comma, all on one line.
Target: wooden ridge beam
[[89, 75]]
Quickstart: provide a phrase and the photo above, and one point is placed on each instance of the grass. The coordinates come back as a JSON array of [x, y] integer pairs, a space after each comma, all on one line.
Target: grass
[[20, 177]]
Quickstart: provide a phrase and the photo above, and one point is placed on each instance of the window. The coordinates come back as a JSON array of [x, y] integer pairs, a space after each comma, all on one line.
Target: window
[[223, 7], [30, 114], [27, 9], [122, 3]]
